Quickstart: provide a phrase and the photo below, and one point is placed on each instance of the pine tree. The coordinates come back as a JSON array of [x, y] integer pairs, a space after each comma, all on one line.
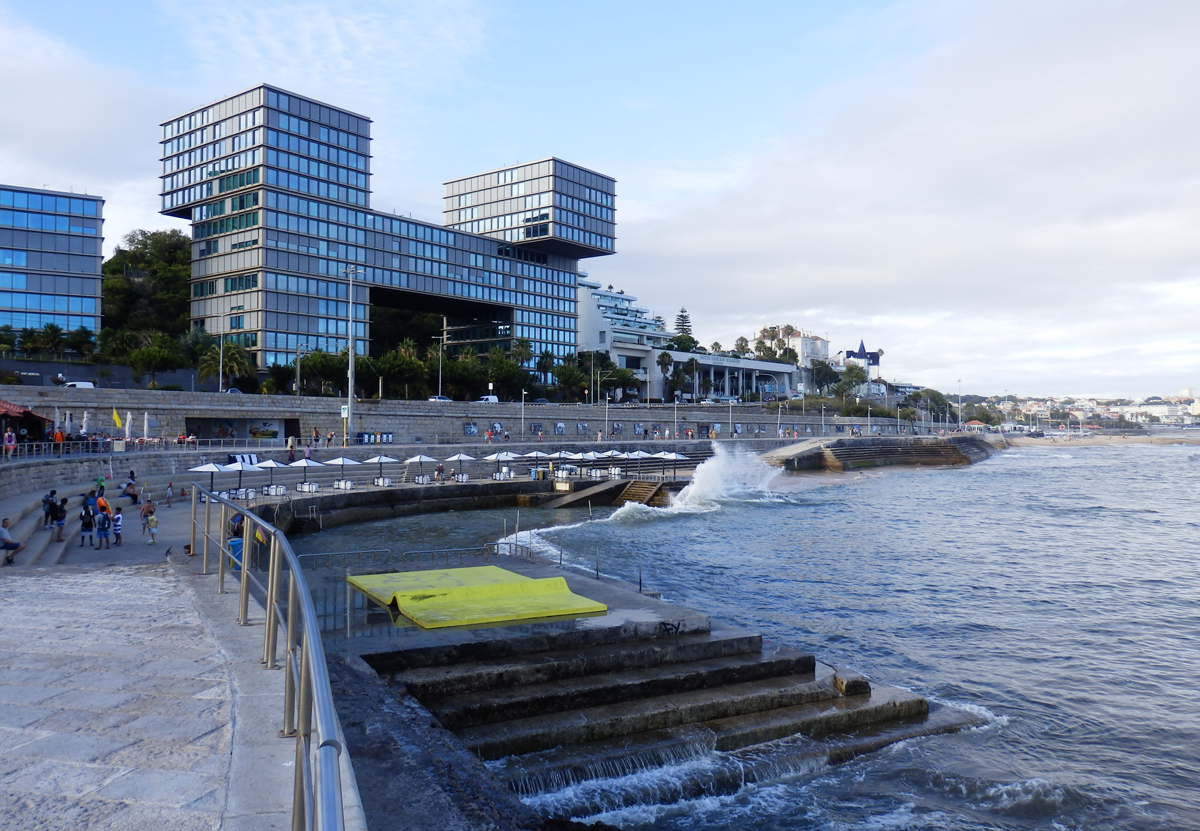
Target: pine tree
[[683, 323]]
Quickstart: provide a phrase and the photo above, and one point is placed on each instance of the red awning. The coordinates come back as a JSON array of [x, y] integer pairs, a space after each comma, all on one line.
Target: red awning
[[9, 409]]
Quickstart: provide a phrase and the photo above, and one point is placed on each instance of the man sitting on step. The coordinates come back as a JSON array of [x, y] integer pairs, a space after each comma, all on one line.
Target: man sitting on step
[[10, 546]]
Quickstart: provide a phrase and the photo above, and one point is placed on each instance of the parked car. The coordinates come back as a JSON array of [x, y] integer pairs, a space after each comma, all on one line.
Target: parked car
[[539, 401], [768, 399], [440, 398], [487, 399], [79, 385], [708, 401], [234, 391]]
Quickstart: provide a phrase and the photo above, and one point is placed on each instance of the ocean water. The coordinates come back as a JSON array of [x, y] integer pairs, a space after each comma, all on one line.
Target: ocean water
[[1053, 591]]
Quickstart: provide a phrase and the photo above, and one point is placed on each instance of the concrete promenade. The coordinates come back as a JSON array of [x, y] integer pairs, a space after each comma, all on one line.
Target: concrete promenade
[[131, 699]]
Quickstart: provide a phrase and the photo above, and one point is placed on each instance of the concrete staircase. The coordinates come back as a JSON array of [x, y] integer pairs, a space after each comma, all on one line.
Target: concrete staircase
[[856, 454], [556, 716], [645, 493]]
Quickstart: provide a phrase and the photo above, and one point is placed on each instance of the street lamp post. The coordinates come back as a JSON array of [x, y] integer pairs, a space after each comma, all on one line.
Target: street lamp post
[[523, 394], [676, 417], [441, 351], [299, 347], [221, 367], [868, 421], [606, 398], [822, 419], [351, 353], [731, 418], [960, 405]]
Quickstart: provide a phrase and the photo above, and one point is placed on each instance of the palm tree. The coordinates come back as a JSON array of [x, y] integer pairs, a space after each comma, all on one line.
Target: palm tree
[[741, 346], [715, 348], [236, 363], [665, 363], [52, 337], [546, 362], [788, 331], [692, 368], [522, 351], [407, 348]]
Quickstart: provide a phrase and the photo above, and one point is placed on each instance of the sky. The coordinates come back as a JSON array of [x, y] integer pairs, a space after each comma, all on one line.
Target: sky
[[1004, 197]]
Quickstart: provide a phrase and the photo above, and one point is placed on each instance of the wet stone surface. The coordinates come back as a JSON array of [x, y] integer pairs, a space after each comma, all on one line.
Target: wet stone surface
[[114, 703]]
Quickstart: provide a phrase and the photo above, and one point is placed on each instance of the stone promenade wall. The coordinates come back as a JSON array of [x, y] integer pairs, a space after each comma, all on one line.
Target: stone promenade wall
[[410, 422]]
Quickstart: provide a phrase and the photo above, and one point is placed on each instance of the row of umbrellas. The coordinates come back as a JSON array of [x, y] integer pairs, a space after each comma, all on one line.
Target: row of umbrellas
[[504, 456], [68, 424]]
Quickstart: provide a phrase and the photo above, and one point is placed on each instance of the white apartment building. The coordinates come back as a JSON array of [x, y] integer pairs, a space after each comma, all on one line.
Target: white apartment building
[[611, 321]]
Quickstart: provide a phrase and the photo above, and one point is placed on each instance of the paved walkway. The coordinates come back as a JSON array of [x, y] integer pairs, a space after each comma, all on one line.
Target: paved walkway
[[130, 698]]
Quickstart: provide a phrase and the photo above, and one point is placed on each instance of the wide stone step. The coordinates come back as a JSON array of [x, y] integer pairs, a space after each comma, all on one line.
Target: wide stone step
[[557, 665], [492, 706], [592, 724]]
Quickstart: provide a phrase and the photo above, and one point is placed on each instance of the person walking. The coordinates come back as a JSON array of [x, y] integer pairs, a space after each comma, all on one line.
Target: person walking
[[87, 522], [48, 503], [60, 518], [8, 545], [170, 493], [118, 522], [10, 444], [146, 512], [152, 525], [103, 527], [308, 451]]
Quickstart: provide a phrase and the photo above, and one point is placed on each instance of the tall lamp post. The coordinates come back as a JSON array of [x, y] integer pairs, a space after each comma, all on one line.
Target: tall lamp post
[[351, 353], [523, 394], [606, 397], [299, 347], [441, 351], [960, 405], [822, 419], [221, 366]]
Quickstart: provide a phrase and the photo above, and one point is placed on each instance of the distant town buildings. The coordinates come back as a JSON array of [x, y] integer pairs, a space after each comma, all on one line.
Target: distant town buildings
[[51, 247]]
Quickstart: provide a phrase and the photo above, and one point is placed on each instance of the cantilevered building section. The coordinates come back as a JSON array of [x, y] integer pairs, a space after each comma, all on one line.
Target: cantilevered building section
[[278, 190]]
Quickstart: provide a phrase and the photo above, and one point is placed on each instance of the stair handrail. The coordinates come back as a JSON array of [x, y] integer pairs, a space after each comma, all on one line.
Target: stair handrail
[[323, 772]]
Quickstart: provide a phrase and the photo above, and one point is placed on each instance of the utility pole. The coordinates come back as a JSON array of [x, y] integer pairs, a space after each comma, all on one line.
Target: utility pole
[[441, 349], [299, 347], [351, 354]]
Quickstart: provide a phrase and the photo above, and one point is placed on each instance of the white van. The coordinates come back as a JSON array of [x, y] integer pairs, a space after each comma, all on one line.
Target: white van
[[79, 385], [487, 399]]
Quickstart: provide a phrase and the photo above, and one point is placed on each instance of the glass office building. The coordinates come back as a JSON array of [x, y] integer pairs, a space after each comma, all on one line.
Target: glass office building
[[278, 190], [51, 246]]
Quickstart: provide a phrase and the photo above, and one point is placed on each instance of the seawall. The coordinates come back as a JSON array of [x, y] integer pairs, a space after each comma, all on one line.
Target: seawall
[[854, 454]]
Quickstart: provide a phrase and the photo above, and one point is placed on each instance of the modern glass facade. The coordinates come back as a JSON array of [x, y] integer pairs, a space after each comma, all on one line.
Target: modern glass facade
[[277, 187], [51, 246]]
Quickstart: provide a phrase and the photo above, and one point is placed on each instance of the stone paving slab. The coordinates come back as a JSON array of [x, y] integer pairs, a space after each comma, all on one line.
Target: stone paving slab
[[121, 692]]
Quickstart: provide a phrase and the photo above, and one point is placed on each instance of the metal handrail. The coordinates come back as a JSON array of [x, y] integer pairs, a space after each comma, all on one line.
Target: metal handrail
[[317, 798]]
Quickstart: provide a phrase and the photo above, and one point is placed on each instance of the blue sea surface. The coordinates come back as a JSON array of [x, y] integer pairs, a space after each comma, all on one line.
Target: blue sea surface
[[1052, 591]]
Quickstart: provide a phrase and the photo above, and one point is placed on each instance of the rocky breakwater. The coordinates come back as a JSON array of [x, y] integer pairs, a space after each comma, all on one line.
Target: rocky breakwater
[[853, 454]]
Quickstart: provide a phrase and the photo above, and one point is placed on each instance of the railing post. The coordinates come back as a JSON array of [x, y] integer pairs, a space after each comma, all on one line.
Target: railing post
[[299, 815], [290, 669], [244, 589], [272, 602], [207, 531], [222, 549], [192, 541]]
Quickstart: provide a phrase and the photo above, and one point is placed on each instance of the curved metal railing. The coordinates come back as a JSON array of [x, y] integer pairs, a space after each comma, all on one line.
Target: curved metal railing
[[308, 710]]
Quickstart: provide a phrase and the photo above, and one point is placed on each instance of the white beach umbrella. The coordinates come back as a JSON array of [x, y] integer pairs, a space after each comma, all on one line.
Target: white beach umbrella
[[84, 429], [342, 461], [271, 464], [536, 454], [128, 425], [639, 455], [57, 418], [306, 464], [420, 459], [379, 460], [146, 427], [240, 467], [461, 457], [69, 424], [211, 469]]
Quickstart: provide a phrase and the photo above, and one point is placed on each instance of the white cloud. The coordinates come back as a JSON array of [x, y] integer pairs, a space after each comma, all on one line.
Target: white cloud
[[1033, 183]]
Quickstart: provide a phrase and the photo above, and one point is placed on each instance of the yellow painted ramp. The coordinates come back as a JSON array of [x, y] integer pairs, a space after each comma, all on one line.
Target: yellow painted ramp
[[472, 596]]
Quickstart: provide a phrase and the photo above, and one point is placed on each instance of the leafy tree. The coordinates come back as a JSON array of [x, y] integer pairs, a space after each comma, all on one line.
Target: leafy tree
[[764, 350], [8, 336], [465, 374], [824, 376], [402, 366], [682, 342], [145, 286], [852, 379], [116, 344], [504, 373], [741, 346], [788, 356], [706, 386], [151, 360], [692, 369], [677, 380], [280, 376], [683, 323], [571, 379], [81, 341], [933, 401], [194, 343], [30, 341]]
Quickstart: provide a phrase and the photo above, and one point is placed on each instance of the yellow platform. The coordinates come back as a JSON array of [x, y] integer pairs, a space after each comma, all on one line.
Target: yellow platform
[[472, 596]]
